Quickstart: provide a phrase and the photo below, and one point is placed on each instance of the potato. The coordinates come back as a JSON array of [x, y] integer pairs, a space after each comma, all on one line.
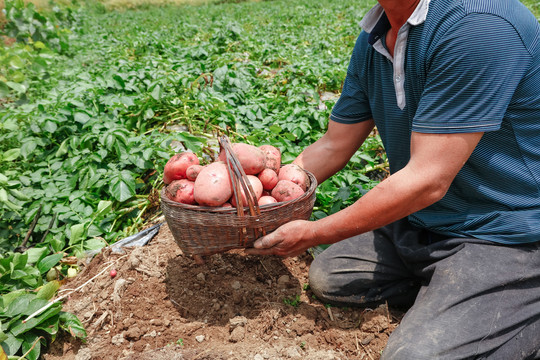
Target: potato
[[181, 191], [193, 171], [251, 158], [227, 205], [268, 178], [295, 174], [213, 185], [286, 190], [176, 167], [273, 157], [257, 189], [264, 200]]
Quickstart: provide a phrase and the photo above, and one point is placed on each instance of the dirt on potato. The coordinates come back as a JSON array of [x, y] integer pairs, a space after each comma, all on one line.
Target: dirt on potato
[[162, 305]]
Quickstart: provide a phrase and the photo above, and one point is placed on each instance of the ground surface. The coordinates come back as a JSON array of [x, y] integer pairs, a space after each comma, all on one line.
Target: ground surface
[[162, 305]]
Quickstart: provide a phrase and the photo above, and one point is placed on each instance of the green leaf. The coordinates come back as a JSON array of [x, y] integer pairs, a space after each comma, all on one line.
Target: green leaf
[[50, 126], [9, 297], [11, 154], [20, 88], [27, 148], [62, 149], [104, 207], [77, 232], [94, 244], [81, 117], [35, 254], [31, 346], [275, 129], [3, 337], [3, 195], [48, 290], [50, 261], [18, 195], [12, 344], [19, 305], [19, 327], [122, 191], [156, 92], [72, 324]]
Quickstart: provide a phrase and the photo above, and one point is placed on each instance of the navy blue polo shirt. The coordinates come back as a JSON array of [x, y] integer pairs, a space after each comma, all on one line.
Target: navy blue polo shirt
[[459, 66]]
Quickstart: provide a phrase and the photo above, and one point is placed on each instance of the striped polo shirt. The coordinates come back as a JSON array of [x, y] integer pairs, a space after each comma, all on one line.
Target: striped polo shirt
[[459, 66]]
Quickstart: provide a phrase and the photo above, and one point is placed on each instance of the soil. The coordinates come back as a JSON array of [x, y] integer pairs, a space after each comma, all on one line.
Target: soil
[[162, 305]]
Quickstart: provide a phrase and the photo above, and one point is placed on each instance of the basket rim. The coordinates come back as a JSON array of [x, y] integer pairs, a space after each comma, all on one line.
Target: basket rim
[[308, 193]]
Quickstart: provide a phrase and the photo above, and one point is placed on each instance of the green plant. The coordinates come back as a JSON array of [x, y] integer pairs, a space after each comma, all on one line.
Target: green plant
[[22, 335], [293, 301]]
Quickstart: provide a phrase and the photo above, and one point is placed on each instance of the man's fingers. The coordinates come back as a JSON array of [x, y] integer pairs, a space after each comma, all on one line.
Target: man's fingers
[[253, 251], [266, 242]]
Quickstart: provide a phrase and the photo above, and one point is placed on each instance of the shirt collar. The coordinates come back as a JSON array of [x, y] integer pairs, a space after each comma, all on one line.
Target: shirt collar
[[376, 23]]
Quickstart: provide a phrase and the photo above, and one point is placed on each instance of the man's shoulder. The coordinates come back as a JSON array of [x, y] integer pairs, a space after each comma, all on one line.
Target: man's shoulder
[[512, 11], [445, 15]]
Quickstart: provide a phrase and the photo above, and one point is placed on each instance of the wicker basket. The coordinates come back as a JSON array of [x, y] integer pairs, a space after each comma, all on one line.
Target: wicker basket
[[201, 230]]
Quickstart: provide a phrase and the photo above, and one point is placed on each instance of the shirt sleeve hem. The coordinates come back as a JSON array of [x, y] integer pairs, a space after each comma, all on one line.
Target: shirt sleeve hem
[[349, 120], [430, 128]]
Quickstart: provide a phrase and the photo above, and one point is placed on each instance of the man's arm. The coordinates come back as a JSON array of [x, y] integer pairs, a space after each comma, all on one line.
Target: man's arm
[[334, 149], [435, 161]]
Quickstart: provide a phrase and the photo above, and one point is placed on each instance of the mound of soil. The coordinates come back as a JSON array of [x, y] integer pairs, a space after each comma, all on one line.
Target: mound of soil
[[162, 305]]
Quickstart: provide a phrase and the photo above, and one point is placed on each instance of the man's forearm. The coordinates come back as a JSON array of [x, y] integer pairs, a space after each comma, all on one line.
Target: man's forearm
[[397, 196]]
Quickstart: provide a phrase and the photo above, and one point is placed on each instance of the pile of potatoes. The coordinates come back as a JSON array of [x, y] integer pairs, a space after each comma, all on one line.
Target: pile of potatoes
[[189, 182]]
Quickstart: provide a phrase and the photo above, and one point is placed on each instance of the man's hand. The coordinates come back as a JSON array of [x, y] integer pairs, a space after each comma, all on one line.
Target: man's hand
[[290, 239]]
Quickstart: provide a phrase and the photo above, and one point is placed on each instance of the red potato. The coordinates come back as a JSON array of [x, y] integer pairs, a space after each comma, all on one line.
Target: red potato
[[295, 174], [213, 185], [193, 171], [286, 190], [273, 157], [227, 205], [268, 178], [264, 200], [257, 189], [181, 191], [251, 158], [176, 167]]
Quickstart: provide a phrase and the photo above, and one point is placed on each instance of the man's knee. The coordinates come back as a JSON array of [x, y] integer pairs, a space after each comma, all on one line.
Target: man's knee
[[417, 345], [320, 281]]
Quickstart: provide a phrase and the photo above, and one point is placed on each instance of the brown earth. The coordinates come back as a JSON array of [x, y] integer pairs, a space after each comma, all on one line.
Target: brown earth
[[162, 305]]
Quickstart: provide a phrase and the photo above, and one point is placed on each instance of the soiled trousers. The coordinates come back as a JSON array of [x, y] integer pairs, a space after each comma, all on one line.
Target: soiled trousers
[[466, 298]]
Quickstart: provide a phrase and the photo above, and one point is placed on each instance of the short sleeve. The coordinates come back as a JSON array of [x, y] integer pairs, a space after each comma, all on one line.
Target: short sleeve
[[472, 73], [353, 105]]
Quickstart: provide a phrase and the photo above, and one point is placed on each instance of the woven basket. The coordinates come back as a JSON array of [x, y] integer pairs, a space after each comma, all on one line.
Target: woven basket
[[201, 230]]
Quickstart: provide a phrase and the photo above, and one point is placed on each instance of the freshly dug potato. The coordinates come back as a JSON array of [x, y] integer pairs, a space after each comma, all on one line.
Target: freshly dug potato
[[268, 178], [286, 190], [213, 185], [193, 171], [176, 167], [252, 159], [264, 200], [227, 205], [295, 174], [273, 157], [257, 189], [181, 191]]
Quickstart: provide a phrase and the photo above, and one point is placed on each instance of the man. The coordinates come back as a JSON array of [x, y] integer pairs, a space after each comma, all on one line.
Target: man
[[453, 87]]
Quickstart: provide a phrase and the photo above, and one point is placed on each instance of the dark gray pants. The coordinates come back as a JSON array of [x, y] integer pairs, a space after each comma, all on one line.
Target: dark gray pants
[[471, 299]]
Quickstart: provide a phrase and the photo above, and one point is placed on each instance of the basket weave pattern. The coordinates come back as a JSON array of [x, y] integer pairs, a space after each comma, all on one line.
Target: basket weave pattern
[[201, 230]]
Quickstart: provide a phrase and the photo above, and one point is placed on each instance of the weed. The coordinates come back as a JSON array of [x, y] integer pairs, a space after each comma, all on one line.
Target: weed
[[293, 301]]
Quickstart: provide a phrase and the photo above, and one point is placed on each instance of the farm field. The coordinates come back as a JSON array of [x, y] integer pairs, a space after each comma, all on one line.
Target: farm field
[[95, 97]]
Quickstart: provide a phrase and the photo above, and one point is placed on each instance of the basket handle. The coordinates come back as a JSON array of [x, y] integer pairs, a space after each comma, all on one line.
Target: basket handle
[[240, 181]]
